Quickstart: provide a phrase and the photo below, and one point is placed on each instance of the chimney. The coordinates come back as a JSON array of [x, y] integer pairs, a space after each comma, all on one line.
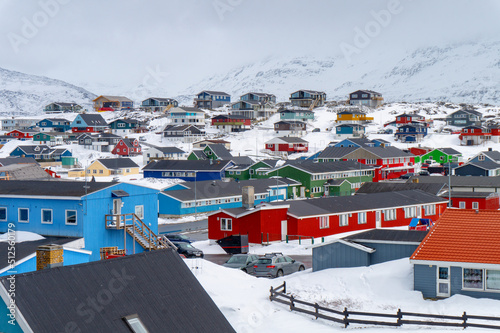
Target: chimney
[[414, 180], [49, 256], [490, 149], [247, 197]]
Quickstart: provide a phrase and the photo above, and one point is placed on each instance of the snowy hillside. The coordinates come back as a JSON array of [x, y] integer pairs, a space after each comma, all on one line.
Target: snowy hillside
[[24, 94], [468, 73]]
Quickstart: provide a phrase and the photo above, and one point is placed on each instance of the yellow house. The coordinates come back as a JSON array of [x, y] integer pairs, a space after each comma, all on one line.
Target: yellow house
[[105, 167], [74, 173], [112, 103], [353, 117]]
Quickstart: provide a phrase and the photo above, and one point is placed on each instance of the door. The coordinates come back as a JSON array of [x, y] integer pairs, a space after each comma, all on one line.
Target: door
[[302, 192], [117, 209], [443, 282], [284, 229], [378, 219]]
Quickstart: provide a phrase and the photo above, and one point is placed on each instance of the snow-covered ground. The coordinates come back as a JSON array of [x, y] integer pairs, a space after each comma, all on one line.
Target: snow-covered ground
[[382, 288]]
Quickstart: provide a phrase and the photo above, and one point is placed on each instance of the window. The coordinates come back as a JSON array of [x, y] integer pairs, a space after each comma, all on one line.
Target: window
[[324, 222], [23, 214], [461, 205], [47, 216], [410, 212], [362, 218], [139, 211], [389, 214], [473, 278], [429, 210], [343, 220], [475, 205], [71, 217], [226, 224], [3, 213], [492, 279], [481, 157], [135, 324]]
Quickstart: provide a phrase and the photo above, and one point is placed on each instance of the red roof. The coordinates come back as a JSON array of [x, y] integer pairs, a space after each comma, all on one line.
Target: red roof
[[463, 235]]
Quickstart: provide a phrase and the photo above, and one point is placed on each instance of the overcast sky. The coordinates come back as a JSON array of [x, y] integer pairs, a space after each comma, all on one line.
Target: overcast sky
[[113, 42]]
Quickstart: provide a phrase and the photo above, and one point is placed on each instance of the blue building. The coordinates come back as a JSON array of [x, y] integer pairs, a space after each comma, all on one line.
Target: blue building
[[156, 104], [187, 170], [411, 132], [349, 131], [208, 196], [367, 248], [41, 153], [360, 142], [54, 125], [211, 99], [99, 212]]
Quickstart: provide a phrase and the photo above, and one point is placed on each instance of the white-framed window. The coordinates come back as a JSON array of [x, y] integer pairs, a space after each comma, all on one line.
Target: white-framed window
[[429, 210], [23, 215], [390, 214], [362, 218], [461, 205], [324, 222], [475, 205], [481, 157], [493, 279], [226, 224], [472, 278], [70, 216], [343, 220], [3, 213], [46, 216], [139, 211], [410, 212]]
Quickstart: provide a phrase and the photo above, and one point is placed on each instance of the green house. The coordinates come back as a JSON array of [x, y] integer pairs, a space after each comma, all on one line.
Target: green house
[[441, 156], [250, 171], [302, 115], [323, 179], [211, 152], [43, 138]]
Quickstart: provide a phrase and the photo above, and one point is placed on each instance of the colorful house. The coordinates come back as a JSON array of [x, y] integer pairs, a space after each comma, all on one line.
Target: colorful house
[[103, 142], [353, 117], [464, 118], [105, 167], [22, 134], [125, 126], [211, 99], [208, 196], [13, 123], [290, 128], [90, 123], [54, 125], [483, 168], [183, 133], [300, 115], [489, 155], [411, 132], [203, 143], [287, 145], [48, 139], [59, 107], [344, 131], [473, 200], [476, 135], [187, 115], [187, 170], [308, 98], [127, 147], [457, 259], [95, 211], [322, 217], [255, 105], [156, 104], [231, 123], [211, 152], [250, 171], [151, 152], [368, 98], [41, 153], [112, 103], [441, 156]]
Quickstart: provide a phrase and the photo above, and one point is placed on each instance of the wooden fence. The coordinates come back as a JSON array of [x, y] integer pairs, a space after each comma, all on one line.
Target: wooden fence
[[345, 317]]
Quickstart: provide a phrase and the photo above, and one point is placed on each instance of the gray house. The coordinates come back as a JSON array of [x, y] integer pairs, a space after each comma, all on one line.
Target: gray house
[[367, 248], [456, 258], [368, 98], [463, 118]]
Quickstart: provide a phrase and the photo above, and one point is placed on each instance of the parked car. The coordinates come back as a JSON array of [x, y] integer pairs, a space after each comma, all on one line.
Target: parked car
[[275, 265], [244, 262], [407, 175], [178, 238], [316, 130], [188, 250]]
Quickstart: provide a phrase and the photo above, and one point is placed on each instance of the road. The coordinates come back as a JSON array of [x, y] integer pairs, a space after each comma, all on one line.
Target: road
[[221, 258]]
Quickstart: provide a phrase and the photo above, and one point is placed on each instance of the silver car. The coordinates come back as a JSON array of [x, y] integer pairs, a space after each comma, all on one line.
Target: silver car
[[275, 265], [242, 261]]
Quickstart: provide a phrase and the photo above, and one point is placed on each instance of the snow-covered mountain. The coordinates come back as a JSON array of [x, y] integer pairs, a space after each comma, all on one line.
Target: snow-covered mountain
[[24, 94], [460, 73]]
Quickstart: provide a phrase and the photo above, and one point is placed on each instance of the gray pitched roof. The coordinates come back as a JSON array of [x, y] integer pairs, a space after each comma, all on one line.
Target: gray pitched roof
[[118, 163], [93, 119], [169, 150], [218, 189], [466, 194], [291, 139], [17, 160], [186, 165], [156, 286], [242, 161], [387, 152], [450, 151], [336, 152], [190, 109], [116, 98], [486, 165], [24, 172], [493, 154], [51, 187], [323, 167], [433, 188], [35, 149], [457, 181], [212, 92], [389, 235], [200, 154], [220, 151], [232, 116], [323, 206]]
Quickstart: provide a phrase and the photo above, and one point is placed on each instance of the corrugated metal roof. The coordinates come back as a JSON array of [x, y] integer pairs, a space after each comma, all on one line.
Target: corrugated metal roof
[[388, 235], [51, 187]]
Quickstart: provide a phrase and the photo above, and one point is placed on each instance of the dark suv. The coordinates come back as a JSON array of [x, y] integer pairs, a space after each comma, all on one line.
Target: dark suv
[[188, 250]]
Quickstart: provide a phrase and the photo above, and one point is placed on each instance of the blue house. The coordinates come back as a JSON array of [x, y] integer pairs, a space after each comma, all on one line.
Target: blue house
[[366, 248], [187, 170], [411, 132], [41, 153], [54, 125], [156, 104], [483, 168], [489, 155], [89, 123], [208, 196], [102, 213], [349, 131], [456, 258], [211, 99]]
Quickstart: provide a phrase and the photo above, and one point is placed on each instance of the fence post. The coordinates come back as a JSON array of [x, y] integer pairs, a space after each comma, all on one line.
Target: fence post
[[312, 240], [400, 316], [286, 237], [464, 317], [284, 287], [346, 314], [271, 292], [299, 240], [316, 308], [291, 303]]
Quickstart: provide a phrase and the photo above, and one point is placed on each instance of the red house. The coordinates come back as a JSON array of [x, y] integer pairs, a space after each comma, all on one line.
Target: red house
[[474, 200], [22, 134], [127, 147], [476, 135], [419, 151], [325, 216], [287, 145], [231, 123]]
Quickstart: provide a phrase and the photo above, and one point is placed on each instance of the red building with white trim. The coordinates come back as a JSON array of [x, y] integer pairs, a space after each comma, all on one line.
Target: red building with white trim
[[231, 123], [474, 200], [127, 147], [476, 135], [22, 134], [287, 145]]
